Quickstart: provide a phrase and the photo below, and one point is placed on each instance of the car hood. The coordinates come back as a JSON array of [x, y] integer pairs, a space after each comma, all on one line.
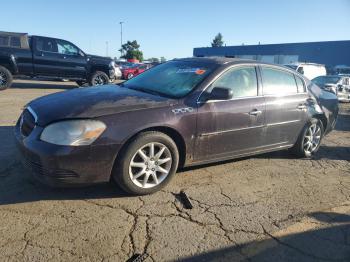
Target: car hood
[[93, 102], [100, 59]]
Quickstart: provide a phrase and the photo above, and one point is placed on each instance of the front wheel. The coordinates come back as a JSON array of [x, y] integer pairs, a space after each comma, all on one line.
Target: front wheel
[[147, 164], [99, 78], [129, 76], [5, 78], [309, 140]]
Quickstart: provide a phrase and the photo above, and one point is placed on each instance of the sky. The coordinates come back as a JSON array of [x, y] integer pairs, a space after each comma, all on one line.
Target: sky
[[172, 28]]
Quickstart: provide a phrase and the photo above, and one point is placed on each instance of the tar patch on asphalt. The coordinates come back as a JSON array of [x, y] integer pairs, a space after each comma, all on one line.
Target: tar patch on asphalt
[[185, 200], [138, 258]]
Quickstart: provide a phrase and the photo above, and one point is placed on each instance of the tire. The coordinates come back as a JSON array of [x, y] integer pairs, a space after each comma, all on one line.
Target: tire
[[146, 167], [5, 78], [129, 76], [81, 83], [99, 78], [304, 149]]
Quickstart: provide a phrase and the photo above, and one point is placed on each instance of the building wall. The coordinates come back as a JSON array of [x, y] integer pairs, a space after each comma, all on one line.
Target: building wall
[[330, 53]]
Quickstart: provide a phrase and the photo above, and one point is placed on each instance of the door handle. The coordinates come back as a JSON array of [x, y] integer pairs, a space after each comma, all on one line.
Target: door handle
[[301, 107], [255, 112]]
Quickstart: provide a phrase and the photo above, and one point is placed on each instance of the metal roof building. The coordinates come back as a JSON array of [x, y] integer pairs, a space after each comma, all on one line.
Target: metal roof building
[[329, 53]]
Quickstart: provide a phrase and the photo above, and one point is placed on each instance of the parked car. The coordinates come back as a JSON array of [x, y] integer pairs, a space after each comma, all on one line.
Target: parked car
[[130, 72], [310, 70], [337, 84], [46, 57], [342, 70], [181, 113]]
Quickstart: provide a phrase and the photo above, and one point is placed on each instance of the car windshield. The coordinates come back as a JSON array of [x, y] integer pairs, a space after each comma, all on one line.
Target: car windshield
[[322, 80], [172, 79]]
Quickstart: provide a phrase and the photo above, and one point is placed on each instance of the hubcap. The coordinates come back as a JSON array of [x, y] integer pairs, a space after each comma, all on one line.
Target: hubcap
[[312, 138], [150, 165], [3, 79]]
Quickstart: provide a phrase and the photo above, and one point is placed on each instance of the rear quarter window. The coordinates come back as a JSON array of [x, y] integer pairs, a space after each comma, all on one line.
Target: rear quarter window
[[278, 82]]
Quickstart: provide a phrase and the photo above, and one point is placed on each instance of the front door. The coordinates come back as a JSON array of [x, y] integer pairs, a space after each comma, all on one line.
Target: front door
[[73, 61], [233, 127]]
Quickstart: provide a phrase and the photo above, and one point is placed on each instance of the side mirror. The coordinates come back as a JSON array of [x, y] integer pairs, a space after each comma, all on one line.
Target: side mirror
[[81, 53], [221, 93]]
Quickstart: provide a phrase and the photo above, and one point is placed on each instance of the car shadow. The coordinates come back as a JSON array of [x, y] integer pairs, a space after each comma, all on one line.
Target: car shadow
[[343, 122], [325, 244], [42, 85]]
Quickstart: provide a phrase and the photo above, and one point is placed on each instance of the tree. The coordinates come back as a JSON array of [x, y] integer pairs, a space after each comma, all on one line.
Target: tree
[[217, 41], [162, 59], [131, 50]]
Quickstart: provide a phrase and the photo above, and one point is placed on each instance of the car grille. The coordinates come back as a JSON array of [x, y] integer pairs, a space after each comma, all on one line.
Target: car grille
[[57, 173], [27, 123]]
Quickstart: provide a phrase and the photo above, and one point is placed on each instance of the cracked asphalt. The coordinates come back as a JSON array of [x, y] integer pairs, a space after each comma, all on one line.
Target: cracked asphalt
[[270, 207]]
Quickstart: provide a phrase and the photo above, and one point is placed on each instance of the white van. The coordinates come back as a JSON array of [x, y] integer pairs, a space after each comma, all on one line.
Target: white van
[[310, 70]]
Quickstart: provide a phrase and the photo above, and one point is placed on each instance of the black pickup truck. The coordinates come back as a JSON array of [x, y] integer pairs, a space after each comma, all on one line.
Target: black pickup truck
[[46, 57]]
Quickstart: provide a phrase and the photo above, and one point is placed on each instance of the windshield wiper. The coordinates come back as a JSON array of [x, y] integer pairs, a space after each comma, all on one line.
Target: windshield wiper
[[149, 91]]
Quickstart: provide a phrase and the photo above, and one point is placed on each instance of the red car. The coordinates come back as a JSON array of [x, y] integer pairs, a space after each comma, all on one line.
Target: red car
[[130, 72]]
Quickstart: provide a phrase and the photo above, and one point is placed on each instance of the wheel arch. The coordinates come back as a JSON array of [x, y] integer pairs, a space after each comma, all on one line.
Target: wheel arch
[[323, 119], [171, 132], [96, 68]]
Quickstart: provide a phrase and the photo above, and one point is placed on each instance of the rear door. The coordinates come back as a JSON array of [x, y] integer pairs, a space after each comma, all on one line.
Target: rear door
[[286, 112], [227, 128]]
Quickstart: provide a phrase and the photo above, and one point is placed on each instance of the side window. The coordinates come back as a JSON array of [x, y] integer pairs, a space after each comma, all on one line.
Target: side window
[[66, 48], [242, 81], [46, 45], [278, 82], [346, 81], [300, 84], [15, 41], [301, 70]]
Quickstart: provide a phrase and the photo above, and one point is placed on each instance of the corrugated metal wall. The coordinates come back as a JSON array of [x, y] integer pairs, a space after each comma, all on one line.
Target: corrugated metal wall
[[330, 53]]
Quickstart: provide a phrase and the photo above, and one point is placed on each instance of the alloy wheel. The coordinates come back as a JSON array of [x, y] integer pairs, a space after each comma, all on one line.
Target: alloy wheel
[[150, 165], [312, 138], [100, 80], [3, 79]]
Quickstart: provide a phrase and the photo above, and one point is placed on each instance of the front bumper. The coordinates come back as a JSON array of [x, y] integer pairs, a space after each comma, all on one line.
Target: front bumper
[[62, 166]]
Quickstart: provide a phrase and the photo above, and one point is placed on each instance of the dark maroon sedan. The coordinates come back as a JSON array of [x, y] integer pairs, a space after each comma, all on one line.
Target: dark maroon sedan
[[181, 113]]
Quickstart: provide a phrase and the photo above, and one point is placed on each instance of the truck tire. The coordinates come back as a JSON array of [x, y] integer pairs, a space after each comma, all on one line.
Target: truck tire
[[5, 78], [99, 78]]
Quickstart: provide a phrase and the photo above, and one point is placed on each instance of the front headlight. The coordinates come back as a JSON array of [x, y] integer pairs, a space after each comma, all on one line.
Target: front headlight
[[73, 132]]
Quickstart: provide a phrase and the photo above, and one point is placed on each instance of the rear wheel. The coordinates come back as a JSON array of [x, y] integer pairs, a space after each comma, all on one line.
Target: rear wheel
[[147, 164], [309, 140], [5, 78], [99, 78]]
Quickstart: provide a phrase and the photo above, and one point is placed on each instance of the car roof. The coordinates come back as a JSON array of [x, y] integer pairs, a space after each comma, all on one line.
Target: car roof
[[221, 60]]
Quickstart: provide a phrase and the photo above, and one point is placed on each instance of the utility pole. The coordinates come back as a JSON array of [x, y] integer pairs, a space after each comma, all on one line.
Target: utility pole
[[121, 38]]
